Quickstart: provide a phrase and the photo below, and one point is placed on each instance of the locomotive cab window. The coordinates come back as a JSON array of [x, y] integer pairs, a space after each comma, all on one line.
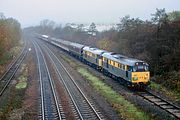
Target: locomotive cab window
[[140, 67]]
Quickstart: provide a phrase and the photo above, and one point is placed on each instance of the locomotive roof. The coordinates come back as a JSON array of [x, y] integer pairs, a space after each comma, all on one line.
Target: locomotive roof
[[62, 41], [68, 43], [54, 39], [121, 58], [94, 50], [45, 36], [76, 45]]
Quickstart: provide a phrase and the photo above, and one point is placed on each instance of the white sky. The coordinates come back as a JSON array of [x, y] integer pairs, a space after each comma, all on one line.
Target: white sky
[[31, 12]]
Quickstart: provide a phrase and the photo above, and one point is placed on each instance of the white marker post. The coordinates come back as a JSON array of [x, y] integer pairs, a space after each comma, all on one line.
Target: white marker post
[[29, 49]]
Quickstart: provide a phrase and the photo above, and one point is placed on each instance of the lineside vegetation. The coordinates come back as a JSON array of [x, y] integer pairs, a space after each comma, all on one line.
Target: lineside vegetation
[[10, 36]]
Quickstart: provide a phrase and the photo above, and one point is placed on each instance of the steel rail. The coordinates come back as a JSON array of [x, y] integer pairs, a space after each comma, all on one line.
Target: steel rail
[[51, 84], [162, 103], [80, 115], [41, 87], [13, 62], [75, 84], [21, 58]]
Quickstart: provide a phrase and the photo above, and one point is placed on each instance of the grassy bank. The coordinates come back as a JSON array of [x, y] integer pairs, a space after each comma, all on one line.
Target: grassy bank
[[8, 56], [22, 80], [12, 109]]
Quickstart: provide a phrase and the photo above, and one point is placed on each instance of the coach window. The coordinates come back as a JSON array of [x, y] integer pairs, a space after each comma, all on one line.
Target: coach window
[[116, 64], [113, 63], [123, 67], [119, 65]]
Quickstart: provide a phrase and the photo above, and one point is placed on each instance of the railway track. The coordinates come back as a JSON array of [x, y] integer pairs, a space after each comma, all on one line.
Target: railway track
[[162, 103], [11, 71], [50, 106], [84, 108]]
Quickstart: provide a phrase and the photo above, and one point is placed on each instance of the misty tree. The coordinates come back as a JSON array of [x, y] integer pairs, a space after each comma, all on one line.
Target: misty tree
[[10, 36], [160, 16], [58, 30], [48, 23], [92, 29], [124, 23], [174, 16], [47, 26], [2, 16], [80, 28]]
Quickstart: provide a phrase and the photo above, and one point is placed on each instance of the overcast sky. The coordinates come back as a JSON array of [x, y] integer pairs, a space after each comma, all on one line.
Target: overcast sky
[[31, 12]]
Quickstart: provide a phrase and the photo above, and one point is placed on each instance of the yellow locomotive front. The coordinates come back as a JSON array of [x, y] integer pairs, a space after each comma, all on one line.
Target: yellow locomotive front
[[140, 74]]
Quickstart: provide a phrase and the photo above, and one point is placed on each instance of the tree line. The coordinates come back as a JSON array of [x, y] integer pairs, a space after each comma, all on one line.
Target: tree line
[[10, 35]]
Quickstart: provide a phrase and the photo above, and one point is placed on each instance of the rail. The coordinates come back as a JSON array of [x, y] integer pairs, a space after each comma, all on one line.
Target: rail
[[71, 87], [11, 71], [44, 87], [162, 103]]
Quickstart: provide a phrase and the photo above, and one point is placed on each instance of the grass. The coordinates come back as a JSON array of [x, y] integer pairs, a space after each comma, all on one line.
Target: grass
[[123, 107], [12, 108], [22, 80], [5, 58], [9, 54], [72, 63]]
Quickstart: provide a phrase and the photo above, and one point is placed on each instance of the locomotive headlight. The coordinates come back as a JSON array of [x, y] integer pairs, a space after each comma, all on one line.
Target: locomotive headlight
[[146, 75], [135, 78]]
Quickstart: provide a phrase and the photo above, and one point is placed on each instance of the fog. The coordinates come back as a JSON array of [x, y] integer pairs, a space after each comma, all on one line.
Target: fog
[[31, 12]]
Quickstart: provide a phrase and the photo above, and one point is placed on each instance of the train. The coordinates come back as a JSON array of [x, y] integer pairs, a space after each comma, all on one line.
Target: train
[[128, 71]]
